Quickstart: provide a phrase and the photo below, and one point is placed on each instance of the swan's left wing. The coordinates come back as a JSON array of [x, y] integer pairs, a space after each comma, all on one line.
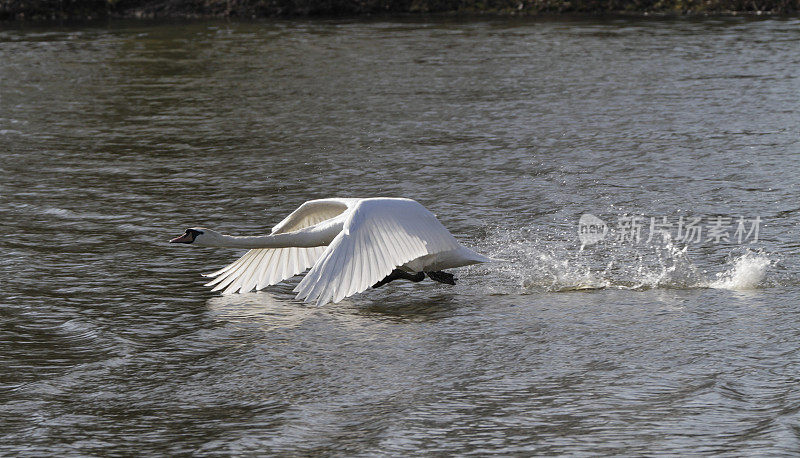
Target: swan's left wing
[[261, 267], [379, 235]]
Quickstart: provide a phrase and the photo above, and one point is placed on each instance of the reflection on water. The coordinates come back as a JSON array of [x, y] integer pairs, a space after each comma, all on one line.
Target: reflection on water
[[266, 311], [114, 137], [433, 308], [260, 309]]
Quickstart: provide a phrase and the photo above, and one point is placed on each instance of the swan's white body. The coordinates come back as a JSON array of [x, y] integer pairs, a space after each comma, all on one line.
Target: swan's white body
[[349, 244]]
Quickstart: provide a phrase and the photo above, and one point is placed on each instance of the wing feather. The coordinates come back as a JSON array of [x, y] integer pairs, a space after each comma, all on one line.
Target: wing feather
[[236, 277], [365, 260], [359, 268], [220, 272], [230, 271], [379, 235], [313, 212], [262, 267], [264, 276], [248, 279]]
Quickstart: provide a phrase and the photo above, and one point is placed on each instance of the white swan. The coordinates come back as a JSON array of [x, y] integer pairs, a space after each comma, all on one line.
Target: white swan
[[349, 244]]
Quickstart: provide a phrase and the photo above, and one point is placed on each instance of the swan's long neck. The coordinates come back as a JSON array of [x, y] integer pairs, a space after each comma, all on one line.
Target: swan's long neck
[[309, 237]]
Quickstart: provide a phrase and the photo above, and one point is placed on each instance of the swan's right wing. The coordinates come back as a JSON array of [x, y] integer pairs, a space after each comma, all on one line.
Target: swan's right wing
[[379, 235], [263, 267], [313, 212]]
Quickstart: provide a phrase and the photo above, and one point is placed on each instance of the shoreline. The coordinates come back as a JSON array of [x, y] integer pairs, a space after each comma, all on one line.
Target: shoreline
[[27, 11]]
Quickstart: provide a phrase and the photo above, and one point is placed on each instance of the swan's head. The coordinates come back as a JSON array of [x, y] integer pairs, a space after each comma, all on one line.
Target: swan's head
[[199, 236]]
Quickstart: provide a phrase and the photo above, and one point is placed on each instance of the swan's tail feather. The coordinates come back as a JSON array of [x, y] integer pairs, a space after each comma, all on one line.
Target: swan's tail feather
[[476, 257]]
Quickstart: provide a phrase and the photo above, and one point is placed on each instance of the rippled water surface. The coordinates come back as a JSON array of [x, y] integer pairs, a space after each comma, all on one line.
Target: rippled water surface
[[115, 138]]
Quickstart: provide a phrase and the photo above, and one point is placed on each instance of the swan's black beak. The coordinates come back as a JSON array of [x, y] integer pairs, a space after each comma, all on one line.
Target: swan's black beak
[[187, 237]]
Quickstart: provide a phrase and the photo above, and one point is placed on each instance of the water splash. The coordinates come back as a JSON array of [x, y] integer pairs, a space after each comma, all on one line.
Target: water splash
[[746, 272], [545, 264]]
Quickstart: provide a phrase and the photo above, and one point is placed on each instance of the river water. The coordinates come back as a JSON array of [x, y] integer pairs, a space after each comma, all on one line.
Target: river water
[[116, 137]]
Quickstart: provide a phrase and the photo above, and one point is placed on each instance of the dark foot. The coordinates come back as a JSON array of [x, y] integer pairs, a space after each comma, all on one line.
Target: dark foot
[[442, 277], [398, 274]]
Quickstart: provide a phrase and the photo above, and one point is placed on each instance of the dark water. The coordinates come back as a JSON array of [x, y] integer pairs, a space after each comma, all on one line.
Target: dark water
[[115, 138]]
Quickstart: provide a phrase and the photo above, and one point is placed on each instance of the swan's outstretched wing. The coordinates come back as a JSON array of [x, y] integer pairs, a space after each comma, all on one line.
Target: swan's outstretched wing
[[262, 267], [378, 236], [313, 212]]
